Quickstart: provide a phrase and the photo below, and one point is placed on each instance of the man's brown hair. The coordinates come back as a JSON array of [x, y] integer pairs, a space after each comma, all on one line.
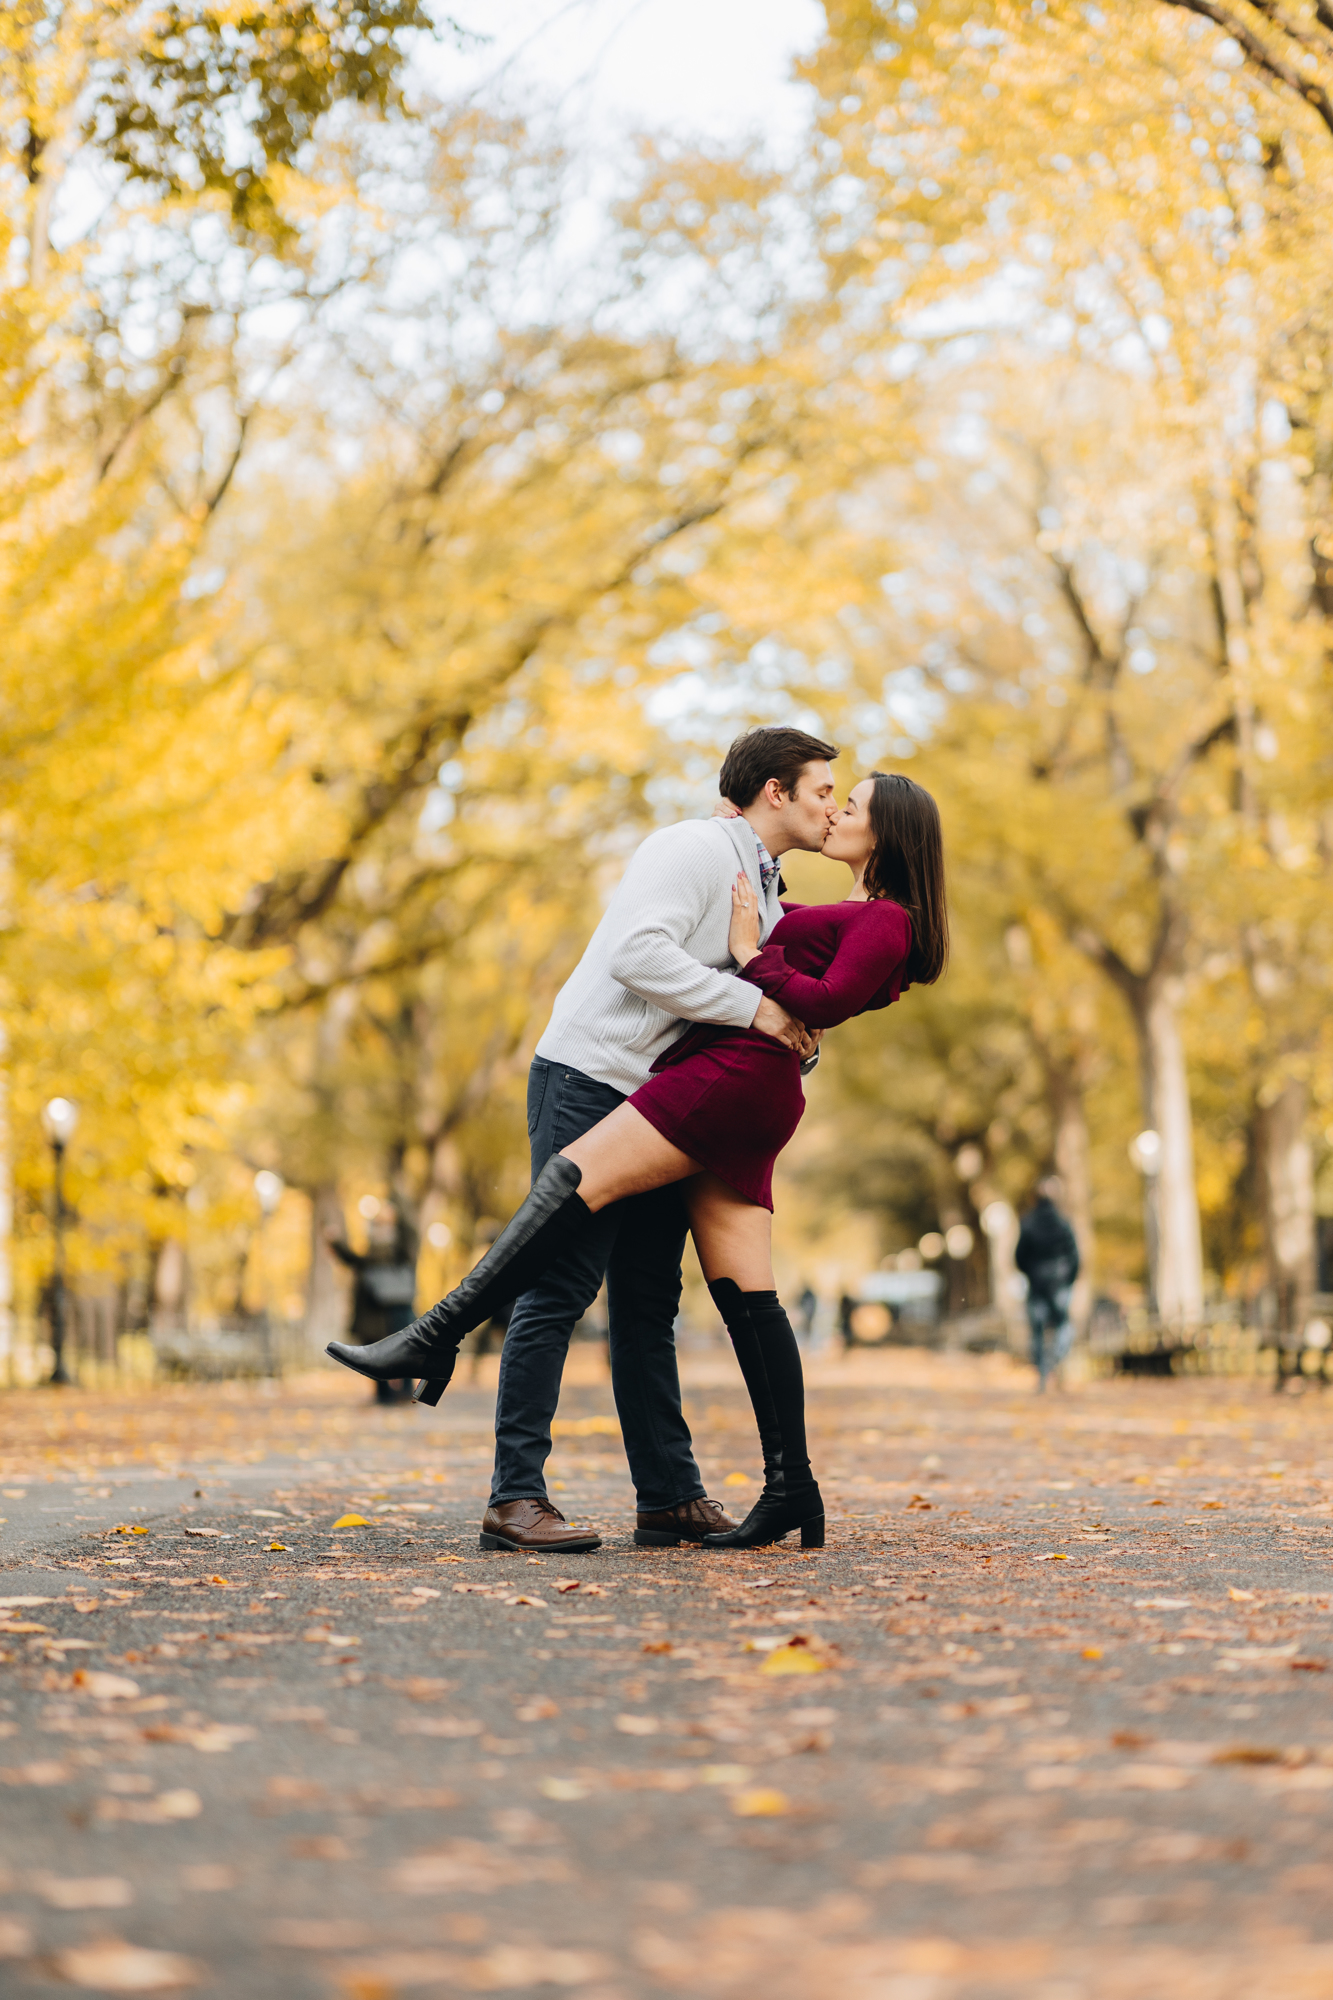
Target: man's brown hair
[[762, 754]]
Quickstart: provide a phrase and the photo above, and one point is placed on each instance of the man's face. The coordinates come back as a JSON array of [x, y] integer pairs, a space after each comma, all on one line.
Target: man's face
[[806, 813]]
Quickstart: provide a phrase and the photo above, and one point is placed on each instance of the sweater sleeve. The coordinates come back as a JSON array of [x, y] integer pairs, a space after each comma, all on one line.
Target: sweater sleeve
[[867, 953], [669, 890]]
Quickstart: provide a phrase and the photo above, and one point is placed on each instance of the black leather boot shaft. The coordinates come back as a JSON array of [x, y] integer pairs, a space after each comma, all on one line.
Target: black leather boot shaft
[[552, 1217], [770, 1362]]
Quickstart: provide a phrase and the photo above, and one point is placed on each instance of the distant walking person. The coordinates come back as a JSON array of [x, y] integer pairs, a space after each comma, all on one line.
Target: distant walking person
[[384, 1294], [1047, 1255]]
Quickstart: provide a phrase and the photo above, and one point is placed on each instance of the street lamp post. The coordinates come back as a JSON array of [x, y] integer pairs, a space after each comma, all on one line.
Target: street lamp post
[[1145, 1151], [59, 1120]]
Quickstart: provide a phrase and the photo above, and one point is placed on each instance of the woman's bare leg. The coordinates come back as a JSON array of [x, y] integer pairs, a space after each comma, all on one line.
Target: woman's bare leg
[[734, 1237], [624, 1155]]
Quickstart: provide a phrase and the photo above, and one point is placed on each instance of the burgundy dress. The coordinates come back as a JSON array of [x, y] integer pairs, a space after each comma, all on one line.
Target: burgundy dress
[[731, 1097]]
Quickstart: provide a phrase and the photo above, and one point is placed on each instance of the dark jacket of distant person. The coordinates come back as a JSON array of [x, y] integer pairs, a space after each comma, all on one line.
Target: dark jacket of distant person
[[383, 1297], [1047, 1250]]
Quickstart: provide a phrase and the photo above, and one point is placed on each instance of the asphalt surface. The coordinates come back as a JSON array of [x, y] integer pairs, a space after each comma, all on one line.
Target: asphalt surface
[[1049, 1717]]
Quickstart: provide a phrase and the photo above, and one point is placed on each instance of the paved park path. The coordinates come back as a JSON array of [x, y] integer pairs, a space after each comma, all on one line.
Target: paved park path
[[1048, 1720]]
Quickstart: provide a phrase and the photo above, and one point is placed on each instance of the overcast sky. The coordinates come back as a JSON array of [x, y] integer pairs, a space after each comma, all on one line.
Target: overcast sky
[[714, 67]]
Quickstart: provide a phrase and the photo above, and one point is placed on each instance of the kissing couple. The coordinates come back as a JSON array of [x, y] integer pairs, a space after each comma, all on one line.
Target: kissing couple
[[665, 1086]]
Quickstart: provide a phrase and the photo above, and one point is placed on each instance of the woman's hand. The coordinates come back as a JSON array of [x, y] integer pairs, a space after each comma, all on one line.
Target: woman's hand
[[743, 937], [724, 809]]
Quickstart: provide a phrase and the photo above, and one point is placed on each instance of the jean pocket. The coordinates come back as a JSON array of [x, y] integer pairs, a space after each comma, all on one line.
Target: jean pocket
[[539, 1079]]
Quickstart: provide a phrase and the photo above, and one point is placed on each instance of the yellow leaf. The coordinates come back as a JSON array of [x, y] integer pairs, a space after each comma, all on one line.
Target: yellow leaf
[[737, 1479], [224, 1581], [278, 1548], [761, 1804], [1241, 1596], [1092, 1652], [563, 1789], [793, 1659], [351, 1521]]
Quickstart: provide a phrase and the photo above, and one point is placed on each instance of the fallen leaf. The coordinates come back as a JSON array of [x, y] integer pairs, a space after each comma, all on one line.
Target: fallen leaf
[[794, 1658], [563, 1790], [277, 1548], [225, 1582], [656, 1646], [1308, 1666], [1053, 1557], [738, 1479], [161, 1811], [45, 1772], [105, 1687], [22, 1603], [450, 1559], [1241, 1596], [88, 1892], [205, 1534], [918, 1504], [1161, 1604], [760, 1804], [1092, 1652], [564, 1584], [540, 1601], [420, 1590], [15, 1939], [351, 1521], [320, 1933], [637, 1725], [538, 1711], [1250, 1753], [115, 1967], [208, 1877], [762, 1583]]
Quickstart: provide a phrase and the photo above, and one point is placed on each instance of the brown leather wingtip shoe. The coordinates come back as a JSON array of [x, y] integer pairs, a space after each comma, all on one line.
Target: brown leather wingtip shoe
[[689, 1522], [536, 1527]]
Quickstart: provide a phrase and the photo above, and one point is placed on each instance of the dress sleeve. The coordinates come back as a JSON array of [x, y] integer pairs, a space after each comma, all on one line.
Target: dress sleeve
[[868, 952]]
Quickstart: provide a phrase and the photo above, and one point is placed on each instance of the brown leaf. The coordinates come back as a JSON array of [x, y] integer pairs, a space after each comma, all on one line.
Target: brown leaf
[[90, 1892], [320, 1933], [15, 1938], [116, 1967]]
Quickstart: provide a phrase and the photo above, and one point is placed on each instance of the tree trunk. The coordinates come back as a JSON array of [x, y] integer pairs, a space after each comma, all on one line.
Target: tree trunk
[[1166, 1106], [1286, 1187], [1073, 1163], [325, 1295]]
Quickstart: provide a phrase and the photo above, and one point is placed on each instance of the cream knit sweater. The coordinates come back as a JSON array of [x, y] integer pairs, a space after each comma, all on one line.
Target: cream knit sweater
[[659, 956]]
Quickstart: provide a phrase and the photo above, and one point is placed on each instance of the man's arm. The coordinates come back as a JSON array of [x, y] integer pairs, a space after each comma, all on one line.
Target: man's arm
[[669, 888]]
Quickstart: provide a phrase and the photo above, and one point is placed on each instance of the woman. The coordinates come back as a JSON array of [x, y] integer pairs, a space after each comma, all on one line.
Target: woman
[[722, 1104]]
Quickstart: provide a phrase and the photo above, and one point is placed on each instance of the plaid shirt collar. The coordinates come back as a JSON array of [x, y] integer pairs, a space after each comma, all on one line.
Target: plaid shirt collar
[[768, 867]]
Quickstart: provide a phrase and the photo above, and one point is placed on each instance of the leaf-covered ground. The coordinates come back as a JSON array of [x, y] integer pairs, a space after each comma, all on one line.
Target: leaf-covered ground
[[1048, 1718]]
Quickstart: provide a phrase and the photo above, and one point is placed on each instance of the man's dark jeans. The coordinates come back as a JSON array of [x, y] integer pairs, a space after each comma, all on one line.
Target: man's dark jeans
[[637, 1246]]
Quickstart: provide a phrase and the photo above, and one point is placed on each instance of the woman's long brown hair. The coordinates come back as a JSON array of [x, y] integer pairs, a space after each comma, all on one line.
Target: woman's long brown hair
[[907, 865]]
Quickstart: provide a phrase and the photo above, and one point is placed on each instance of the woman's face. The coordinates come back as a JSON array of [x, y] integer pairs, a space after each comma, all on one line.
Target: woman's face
[[849, 836]]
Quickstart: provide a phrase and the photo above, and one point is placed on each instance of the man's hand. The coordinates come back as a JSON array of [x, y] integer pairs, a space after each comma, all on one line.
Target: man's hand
[[770, 1019]]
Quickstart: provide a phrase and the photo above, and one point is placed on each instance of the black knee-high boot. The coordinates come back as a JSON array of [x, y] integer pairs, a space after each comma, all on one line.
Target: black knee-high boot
[[770, 1362], [549, 1222]]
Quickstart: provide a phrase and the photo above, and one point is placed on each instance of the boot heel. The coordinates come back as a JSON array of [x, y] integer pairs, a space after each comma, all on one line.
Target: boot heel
[[429, 1393], [812, 1533]]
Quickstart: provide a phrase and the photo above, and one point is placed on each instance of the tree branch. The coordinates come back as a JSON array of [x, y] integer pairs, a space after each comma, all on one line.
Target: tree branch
[[1261, 56]]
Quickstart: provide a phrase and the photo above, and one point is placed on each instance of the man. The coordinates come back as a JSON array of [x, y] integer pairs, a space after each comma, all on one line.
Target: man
[[1047, 1255], [658, 957]]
